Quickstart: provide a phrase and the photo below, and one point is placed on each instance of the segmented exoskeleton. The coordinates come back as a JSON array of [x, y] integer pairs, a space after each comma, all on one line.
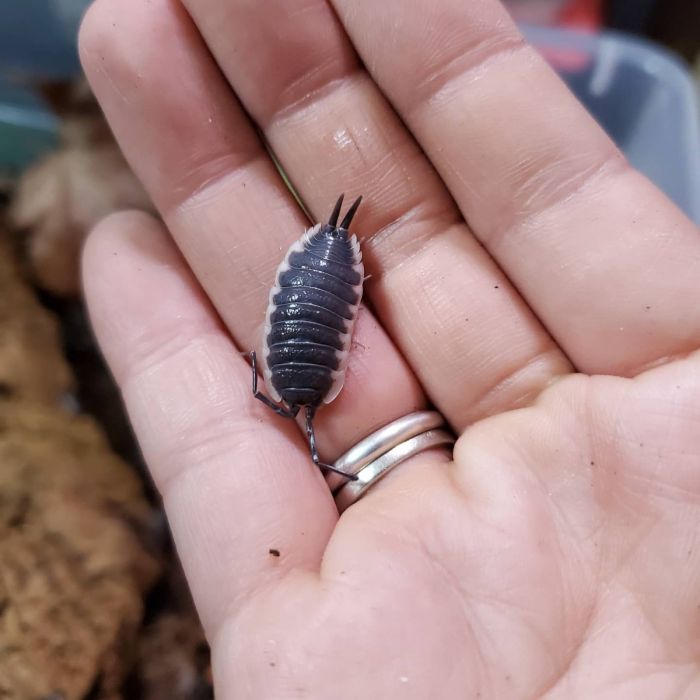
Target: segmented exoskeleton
[[309, 322]]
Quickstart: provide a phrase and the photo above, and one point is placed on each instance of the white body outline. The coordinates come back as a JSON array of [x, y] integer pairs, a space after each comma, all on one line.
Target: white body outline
[[346, 337]]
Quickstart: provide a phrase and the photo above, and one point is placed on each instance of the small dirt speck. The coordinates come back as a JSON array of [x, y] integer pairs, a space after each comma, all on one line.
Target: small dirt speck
[[592, 463], [274, 552], [495, 286], [6, 391]]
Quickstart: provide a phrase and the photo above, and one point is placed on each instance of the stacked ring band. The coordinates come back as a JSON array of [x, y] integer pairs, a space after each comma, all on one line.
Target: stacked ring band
[[375, 456]]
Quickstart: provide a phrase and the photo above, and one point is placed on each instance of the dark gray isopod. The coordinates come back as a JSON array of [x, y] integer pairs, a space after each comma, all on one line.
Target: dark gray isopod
[[309, 322]]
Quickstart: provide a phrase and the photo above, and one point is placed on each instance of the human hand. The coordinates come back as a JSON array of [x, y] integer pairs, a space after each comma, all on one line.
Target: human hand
[[557, 555]]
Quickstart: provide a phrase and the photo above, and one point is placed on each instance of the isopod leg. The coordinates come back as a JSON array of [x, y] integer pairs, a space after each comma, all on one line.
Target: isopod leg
[[310, 410], [292, 413], [279, 410]]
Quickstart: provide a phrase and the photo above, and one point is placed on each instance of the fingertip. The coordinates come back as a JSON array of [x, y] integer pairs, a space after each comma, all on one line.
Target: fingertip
[[92, 32], [114, 235], [119, 222]]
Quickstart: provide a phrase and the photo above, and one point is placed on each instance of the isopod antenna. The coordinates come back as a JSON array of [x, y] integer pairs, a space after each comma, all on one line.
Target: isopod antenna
[[345, 223], [333, 221]]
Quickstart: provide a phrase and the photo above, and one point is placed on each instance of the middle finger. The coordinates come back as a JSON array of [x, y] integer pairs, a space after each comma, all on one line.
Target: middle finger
[[473, 342]]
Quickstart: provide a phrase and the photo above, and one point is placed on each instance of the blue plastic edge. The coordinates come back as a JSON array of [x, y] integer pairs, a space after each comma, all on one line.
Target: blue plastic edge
[[650, 55]]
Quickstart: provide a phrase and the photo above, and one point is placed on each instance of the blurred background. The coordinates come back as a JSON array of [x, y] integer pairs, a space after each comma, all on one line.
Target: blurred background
[[93, 604], [641, 92]]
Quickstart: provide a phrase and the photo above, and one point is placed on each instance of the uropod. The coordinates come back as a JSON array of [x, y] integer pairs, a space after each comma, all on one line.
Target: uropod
[[310, 317]]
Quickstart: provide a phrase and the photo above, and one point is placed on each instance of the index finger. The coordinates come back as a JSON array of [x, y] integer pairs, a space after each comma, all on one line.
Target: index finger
[[245, 504], [604, 259]]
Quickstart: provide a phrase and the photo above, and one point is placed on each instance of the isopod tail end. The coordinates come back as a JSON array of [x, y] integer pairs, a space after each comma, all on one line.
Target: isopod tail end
[[345, 224], [333, 221]]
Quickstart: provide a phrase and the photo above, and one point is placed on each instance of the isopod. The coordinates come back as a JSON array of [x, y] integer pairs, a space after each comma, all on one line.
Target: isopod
[[310, 317]]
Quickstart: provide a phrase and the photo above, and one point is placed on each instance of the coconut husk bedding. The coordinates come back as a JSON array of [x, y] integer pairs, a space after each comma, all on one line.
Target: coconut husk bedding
[[93, 604]]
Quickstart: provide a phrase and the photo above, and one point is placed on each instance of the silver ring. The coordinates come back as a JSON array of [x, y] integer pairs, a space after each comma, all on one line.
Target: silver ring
[[346, 495], [375, 456], [381, 441]]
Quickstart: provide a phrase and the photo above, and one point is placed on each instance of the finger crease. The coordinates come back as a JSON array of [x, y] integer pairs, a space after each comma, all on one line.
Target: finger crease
[[152, 349], [205, 447], [465, 65], [515, 376], [204, 181], [317, 94], [406, 235], [579, 183]]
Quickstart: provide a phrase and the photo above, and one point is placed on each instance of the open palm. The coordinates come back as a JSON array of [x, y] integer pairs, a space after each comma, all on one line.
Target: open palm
[[524, 280]]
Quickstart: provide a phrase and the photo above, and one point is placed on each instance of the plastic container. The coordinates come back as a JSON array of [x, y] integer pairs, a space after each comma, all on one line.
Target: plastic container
[[37, 42], [27, 129], [579, 14], [37, 37], [642, 95]]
